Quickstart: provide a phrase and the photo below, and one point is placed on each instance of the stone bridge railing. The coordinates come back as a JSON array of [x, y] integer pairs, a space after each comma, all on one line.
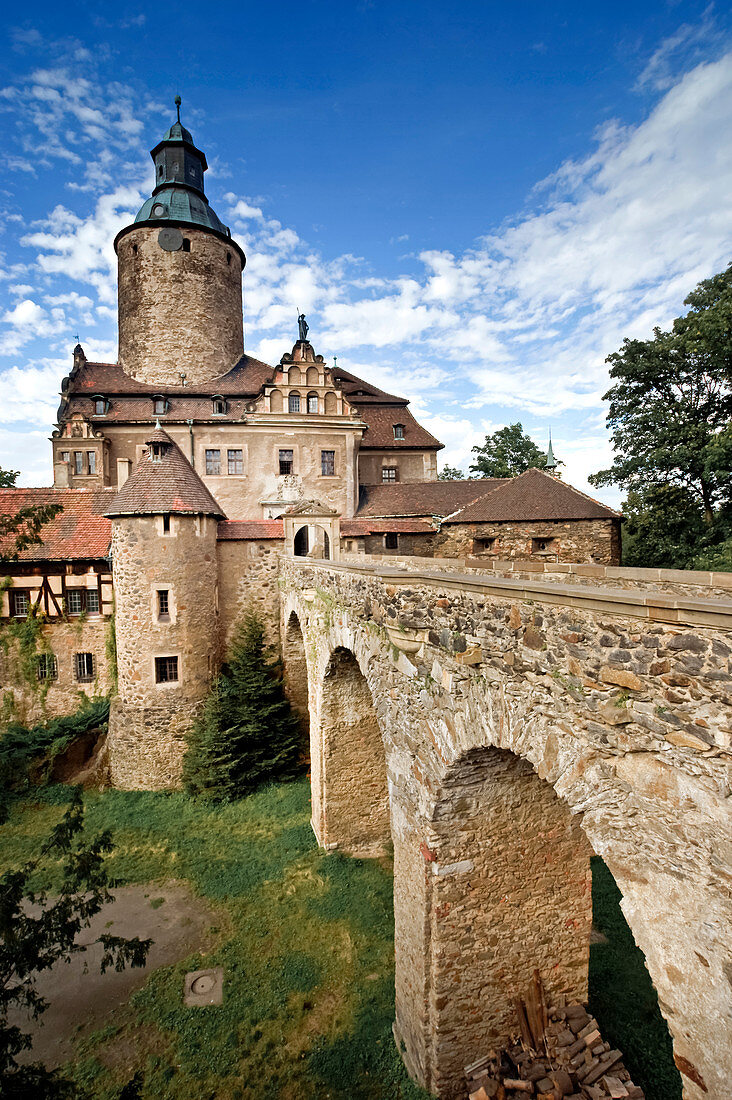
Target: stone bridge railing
[[523, 723]]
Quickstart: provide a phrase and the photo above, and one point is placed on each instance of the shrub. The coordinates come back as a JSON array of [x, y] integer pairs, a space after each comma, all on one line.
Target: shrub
[[247, 734]]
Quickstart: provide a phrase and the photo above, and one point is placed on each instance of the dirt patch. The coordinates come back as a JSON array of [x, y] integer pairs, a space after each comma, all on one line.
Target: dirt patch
[[171, 915]]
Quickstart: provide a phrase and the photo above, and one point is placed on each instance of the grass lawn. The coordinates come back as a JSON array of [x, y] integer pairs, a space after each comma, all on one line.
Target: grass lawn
[[306, 942]]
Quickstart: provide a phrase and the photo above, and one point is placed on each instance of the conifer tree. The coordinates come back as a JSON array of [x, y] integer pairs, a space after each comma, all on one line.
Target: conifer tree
[[247, 733]]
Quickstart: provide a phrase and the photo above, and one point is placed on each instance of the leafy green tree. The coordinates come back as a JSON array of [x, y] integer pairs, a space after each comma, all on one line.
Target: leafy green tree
[[507, 453], [21, 529], [450, 473], [36, 932], [664, 528], [247, 733], [671, 405]]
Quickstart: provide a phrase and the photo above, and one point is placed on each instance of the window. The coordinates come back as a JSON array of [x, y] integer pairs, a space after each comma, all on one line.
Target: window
[[46, 666], [160, 406], [166, 524], [78, 462], [235, 460], [75, 601], [228, 258], [163, 603], [84, 667], [312, 403], [293, 403], [286, 462], [92, 601], [327, 463], [66, 456], [186, 244], [389, 473], [19, 603], [543, 546], [166, 670], [213, 462], [91, 462], [391, 540], [219, 406], [100, 406], [487, 545], [399, 431]]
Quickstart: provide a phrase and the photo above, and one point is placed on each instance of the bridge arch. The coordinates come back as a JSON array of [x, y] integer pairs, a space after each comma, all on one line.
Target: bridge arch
[[441, 723]]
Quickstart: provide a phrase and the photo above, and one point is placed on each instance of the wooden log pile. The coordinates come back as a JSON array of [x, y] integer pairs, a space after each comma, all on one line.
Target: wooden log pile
[[557, 1054]]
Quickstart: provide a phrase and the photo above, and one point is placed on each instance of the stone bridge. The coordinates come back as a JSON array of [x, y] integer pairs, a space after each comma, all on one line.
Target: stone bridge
[[497, 732]]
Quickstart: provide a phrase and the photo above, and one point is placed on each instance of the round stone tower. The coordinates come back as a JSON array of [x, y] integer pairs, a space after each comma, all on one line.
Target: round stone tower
[[164, 524], [179, 276]]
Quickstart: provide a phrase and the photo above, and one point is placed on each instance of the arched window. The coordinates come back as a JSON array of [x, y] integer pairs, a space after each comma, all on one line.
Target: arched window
[[399, 431], [275, 401], [160, 405], [293, 403], [101, 405], [294, 376], [331, 404], [312, 376], [312, 402], [219, 406]]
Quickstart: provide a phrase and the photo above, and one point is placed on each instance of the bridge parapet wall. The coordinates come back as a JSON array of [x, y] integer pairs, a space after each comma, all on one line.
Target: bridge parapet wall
[[684, 582], [619, 699]]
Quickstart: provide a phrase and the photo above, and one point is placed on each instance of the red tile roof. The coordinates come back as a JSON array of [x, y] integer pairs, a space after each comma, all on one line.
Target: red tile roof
[[357, 527], [165, 484], [534, 495], [360, 392], [380, 434], [80, 531], [108, 379], [231, 530], [422, 498]]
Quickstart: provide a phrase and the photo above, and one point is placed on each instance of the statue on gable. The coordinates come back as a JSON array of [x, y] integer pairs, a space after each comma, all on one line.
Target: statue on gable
[[303, 326]]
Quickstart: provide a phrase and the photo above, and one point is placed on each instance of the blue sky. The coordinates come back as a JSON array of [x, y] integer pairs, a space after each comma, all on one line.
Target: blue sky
[[473, 202]]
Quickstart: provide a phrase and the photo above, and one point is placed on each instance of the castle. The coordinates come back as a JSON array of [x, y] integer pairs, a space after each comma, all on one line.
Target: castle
[[188, 468]]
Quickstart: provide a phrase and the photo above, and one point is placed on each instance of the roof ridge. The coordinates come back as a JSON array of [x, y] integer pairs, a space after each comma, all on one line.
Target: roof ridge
[[481, 496], [573, 489]]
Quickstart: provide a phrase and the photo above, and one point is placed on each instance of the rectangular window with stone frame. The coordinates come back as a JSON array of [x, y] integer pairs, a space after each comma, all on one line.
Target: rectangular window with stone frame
[[213, 462], [47, 666], [327, 463], [389, 473], [286, 461], [91, 462], [79, 462], [235, 461], [84, 667], [166, 670]]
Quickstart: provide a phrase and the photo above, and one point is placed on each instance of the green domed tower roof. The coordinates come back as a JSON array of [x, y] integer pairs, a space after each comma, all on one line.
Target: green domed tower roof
[[178, 196]]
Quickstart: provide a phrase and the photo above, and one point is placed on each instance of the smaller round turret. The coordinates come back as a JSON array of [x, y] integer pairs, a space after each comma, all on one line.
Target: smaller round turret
[[164, 526]]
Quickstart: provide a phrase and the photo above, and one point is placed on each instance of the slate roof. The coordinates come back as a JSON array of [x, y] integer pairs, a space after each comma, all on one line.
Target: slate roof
[[233, 530], [168, 484], [422, 498], [380, 434], [534, 495], [80, 531]]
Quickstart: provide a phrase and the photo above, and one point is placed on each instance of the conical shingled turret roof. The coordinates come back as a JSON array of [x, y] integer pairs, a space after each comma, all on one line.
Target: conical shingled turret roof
[[164, 482]]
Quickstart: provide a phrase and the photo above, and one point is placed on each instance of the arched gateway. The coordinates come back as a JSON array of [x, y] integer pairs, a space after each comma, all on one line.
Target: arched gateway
[[502, 778]]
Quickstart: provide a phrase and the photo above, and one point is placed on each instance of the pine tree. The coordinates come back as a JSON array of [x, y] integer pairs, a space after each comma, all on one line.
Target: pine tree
[[246, 734]]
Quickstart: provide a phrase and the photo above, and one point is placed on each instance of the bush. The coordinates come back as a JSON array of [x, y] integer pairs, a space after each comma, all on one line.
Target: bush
[[20, 747], [247, 734]]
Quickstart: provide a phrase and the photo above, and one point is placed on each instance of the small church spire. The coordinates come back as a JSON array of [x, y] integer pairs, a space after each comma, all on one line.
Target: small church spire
[[178, 102], [551, 462]]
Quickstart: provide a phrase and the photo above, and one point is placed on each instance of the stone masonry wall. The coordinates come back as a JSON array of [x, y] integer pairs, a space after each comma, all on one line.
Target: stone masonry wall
[[178, 311], [625, 715], [149, 720], [25, 699], [248, 573], [593, 540], [509, 857]]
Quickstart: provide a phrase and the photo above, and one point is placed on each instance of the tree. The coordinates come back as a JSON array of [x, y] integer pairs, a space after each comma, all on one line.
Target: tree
[[33, 939], [664, 528], [21, 529], [247, 733], [450, 473], [506, 453], [671, 405]]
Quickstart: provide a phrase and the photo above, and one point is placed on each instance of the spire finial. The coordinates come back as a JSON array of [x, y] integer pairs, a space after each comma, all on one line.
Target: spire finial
[[178, 102], [157, 425], [551, 462]]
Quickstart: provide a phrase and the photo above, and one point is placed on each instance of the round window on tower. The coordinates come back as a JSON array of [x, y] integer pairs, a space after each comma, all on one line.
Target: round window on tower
[[159, 210]]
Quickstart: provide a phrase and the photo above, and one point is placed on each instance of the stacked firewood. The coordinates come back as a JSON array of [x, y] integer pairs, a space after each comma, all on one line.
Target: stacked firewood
[[558, 1054]]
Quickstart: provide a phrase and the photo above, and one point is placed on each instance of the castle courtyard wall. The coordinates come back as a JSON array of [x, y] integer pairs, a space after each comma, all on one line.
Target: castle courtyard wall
[[577, 540]]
